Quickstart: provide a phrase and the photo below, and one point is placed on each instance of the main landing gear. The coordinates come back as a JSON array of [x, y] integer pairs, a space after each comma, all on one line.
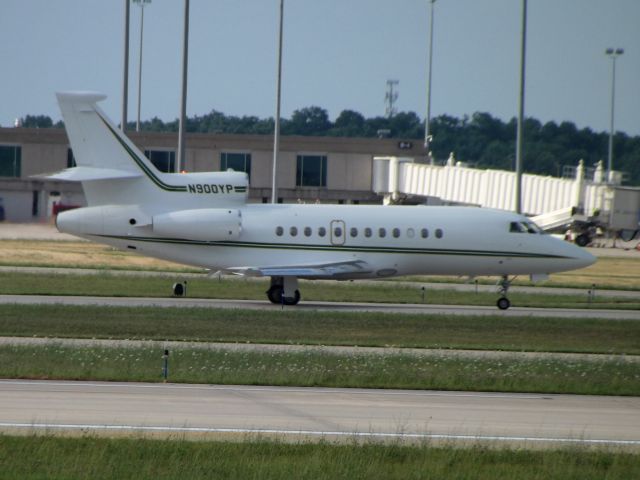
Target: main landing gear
[[503, 302], [284, 291]]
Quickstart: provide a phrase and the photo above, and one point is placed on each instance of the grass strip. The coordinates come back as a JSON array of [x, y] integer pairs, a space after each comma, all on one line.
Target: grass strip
[[608, 272], [79, 254], [291, 326], [313, 368], [619, 273], [112, 284], [38, 457]]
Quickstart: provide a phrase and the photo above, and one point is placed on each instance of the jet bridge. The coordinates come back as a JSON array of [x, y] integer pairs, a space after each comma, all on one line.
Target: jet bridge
[[555, 219], [580, 203]]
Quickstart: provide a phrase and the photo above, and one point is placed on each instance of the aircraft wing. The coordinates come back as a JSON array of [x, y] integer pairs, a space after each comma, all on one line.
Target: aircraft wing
[[324, 270]]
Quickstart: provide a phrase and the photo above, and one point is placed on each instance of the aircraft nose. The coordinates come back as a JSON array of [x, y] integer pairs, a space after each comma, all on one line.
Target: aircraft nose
[[581, 257]]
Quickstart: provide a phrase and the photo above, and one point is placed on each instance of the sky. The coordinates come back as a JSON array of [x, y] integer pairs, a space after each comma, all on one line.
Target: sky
[[338, 54]]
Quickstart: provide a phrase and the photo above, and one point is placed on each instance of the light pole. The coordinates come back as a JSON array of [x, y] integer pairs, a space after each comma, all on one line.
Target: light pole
[[125, 73], [427, 134], [276, 130], [519, 133], [612, 53], [140, 3], [180, 164]]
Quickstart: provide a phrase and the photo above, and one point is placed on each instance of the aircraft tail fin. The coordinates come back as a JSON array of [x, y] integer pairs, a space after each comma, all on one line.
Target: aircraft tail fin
[[96, 142], [113, 171], [108, 163]]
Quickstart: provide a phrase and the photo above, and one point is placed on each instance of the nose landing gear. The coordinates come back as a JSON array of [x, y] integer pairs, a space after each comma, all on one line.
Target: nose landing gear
[[503, 302]]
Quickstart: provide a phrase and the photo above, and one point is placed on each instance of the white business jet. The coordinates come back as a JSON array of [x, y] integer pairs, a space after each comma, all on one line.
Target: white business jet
[[203, 219]]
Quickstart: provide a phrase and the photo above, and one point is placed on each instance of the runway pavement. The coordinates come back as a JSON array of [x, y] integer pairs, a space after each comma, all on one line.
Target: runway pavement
[[318, 412], [321, 306]]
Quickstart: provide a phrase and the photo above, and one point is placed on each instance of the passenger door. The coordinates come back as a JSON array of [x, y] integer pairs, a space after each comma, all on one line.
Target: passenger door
[[338, 232]]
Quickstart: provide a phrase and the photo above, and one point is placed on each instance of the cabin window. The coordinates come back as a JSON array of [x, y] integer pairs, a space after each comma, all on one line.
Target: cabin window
[[163, 160], [382, 232], [353, 232], [311, 171], [411, 233], [239, 162], [439, 233], [279, 231], [424, 233], [395, 232], [367, 232], [337, 232], [307, 231], [293, 231], [322, 231], [10, 160]]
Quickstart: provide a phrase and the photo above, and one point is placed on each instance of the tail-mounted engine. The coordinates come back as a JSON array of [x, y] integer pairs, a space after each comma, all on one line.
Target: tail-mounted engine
[[206, 224]]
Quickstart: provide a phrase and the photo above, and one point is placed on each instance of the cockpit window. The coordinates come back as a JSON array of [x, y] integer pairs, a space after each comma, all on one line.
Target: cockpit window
[[517, 227], [524, 227], [533, 228]]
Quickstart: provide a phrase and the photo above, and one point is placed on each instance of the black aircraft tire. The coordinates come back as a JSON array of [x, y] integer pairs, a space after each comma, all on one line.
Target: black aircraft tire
[[292, 300], [503, 303], [274, 294]]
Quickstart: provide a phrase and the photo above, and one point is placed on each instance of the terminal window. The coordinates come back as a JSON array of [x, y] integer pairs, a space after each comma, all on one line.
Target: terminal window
[[10, 160], [240, 162], [163, 160], [311, 171]]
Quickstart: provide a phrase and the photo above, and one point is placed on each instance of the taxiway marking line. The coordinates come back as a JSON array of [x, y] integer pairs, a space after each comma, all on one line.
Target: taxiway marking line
[[318, 390], [426, 436]]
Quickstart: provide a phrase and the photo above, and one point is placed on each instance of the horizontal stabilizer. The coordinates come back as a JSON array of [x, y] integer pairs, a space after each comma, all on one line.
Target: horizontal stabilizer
[[84, 100], [325, 270], [86, 174]]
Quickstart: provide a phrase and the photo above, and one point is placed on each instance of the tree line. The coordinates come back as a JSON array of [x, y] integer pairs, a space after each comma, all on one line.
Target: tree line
[[481, 139]]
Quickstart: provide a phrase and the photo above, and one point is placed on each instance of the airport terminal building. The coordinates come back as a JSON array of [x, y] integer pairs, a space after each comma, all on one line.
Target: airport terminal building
[[317, 170], [310, 169]]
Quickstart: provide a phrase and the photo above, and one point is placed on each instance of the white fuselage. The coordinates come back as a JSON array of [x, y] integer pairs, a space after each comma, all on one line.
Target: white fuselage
[[391, 240]]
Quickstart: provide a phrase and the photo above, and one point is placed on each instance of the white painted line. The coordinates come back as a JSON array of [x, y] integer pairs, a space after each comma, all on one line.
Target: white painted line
[[426, 436], [315, 390]]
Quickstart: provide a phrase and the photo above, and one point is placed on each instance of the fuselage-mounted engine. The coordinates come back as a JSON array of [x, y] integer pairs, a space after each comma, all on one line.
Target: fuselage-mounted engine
[[204, 224]]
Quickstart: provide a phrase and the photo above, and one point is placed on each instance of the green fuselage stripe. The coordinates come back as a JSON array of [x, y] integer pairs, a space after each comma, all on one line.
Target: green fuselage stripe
[[147, 171], [333, 248]]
